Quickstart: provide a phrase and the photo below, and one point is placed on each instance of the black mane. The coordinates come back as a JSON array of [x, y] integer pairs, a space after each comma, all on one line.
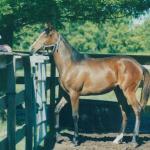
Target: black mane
[[75, 55]]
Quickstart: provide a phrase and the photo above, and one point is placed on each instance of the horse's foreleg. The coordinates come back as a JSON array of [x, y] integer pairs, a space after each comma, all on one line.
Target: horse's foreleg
[[75, 106], [58, 108]]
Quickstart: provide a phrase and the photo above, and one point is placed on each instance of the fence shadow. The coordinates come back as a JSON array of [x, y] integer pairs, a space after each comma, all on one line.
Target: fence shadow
[[102, 117], [106, 138]]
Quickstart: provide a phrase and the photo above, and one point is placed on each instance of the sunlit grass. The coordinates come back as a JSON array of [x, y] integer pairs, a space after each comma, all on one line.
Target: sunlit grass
[[3, 130]]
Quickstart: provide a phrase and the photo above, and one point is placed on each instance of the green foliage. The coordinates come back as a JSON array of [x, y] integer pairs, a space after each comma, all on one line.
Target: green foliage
[[109, 37], [35, 11], [121, 39], [20, 22], [83, 37], [24, 37], [98, 10], [145, 36], [5, 8]]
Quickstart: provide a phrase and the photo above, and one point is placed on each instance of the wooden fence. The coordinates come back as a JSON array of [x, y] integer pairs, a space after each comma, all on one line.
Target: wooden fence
[[36, 81]]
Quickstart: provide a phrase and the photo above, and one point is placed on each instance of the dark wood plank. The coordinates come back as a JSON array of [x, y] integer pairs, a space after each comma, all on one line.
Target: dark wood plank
[[20, 133], [3, 102], [20, 97], [20, 80], [19, 100], [4, 144], [11, 111], [52, 95], [29, 102]]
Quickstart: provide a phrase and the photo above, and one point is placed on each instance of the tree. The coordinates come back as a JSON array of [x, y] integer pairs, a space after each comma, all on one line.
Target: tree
[[109, 37], [100, 10], [14, 14]]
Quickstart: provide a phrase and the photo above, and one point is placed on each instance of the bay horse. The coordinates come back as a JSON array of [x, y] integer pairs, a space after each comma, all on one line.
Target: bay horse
[[83, 75]]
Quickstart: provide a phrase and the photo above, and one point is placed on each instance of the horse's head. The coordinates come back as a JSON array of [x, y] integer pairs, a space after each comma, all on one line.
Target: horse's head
[[47, 40]]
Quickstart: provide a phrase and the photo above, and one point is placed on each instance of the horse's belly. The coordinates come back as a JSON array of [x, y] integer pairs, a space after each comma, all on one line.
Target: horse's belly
[[98, 85], [96, 90]]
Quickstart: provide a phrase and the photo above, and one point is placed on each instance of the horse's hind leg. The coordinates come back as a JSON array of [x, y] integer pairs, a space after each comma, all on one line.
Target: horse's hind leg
[[119, 138], [124, 111], [131, 96]]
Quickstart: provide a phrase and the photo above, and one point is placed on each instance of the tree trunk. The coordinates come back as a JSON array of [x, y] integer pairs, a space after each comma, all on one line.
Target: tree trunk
[[6, 30]]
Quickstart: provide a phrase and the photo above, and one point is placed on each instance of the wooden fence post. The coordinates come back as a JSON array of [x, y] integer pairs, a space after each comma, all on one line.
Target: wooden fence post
[[29, 102], [11, 93], [52, 95], [33, 69]]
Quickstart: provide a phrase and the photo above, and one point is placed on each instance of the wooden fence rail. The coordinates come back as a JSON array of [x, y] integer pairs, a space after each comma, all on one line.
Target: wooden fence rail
[[36, 83]]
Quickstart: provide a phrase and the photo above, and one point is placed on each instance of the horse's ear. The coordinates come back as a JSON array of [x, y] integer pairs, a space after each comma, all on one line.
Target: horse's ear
[[49, 26]]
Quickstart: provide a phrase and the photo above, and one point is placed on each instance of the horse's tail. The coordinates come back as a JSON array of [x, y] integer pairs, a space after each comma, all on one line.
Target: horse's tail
[[146, 88]]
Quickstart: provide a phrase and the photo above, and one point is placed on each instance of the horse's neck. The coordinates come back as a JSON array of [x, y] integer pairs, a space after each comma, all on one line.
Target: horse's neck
[[62, 57]]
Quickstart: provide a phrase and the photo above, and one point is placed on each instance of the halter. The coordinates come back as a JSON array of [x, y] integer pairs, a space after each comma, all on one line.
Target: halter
[[55, 46]]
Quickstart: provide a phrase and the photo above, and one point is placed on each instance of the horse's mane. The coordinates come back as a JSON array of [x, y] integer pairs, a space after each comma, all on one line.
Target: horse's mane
[[75, 55]]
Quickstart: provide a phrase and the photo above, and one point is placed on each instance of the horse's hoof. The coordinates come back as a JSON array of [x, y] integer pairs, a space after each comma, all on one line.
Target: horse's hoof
[[118, 139], [135, 141], [59, 139], [134, 144], [117, 142], [75, 142]]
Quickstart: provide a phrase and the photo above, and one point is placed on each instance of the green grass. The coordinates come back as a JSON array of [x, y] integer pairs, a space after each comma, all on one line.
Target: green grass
[[3, 130], [111, 96], [3, 134]]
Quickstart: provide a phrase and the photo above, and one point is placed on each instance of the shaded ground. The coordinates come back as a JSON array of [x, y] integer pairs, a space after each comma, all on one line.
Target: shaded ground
[[99, 117], [99, 124], [101, 142]]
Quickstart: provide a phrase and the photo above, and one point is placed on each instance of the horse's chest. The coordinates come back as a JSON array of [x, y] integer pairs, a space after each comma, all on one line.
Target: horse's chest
[[71, 82], [64, 83]]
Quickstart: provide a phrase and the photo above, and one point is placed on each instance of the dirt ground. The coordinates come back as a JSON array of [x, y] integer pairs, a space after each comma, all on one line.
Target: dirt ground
[[102, 142]]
